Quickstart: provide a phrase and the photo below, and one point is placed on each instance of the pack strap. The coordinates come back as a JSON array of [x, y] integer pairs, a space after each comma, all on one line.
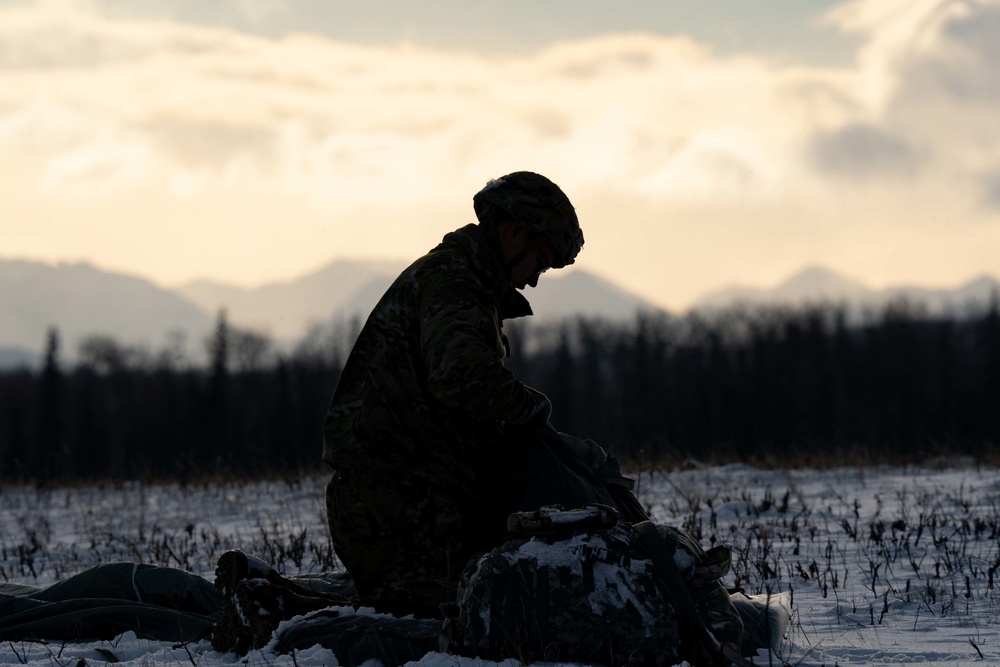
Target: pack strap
[[662, 553]]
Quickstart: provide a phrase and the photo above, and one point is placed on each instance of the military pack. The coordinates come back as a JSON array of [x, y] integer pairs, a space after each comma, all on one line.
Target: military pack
[[592, 597]]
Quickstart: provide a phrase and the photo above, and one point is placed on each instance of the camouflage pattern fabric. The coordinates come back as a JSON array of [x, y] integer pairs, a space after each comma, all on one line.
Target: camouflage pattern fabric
[[425, 386], [590, 598], [586, 599], [702, 571], [538, 205], [415, 425], [404, 543], [412, 541]]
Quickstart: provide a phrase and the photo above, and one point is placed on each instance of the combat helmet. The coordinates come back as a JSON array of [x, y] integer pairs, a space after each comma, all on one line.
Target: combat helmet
[[540, 206]]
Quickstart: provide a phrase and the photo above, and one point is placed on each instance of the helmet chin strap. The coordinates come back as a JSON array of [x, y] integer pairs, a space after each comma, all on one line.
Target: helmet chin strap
[[518, 258]]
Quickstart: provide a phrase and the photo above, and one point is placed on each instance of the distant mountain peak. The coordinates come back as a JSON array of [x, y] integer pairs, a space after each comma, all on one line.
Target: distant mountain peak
[[818, 284], [819, 276], [81, 300], [812, 283]]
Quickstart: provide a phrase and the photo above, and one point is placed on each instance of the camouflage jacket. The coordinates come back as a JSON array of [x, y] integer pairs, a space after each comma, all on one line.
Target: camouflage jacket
[[425, 389]]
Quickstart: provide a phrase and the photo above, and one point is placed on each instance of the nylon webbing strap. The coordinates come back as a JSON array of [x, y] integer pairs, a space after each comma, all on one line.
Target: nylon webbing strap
[[662, 553]]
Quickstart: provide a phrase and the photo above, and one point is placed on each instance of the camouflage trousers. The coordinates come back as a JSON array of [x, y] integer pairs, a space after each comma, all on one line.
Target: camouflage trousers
[[404, 543], [406, 539]]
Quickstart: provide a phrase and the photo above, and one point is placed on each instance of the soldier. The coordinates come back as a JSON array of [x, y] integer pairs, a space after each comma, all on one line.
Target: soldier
[[434, 445], [432, 440]]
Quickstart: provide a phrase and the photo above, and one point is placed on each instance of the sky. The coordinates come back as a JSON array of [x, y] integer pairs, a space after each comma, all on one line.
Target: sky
[[702, 144]]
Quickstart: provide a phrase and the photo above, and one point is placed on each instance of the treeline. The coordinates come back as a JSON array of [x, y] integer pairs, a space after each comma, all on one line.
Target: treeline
[[122, 412], [813, 385], [778, 385]]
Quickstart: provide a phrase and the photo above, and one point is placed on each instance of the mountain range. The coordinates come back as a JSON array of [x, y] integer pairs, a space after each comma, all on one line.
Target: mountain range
[[346, 289], [818, 285], [81, 300]]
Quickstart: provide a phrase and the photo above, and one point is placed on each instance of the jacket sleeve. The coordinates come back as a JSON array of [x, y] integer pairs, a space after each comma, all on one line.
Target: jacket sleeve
[[461, 346]]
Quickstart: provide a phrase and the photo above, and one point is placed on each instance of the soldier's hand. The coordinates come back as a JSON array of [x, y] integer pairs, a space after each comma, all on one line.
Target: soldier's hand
[[537, 409]]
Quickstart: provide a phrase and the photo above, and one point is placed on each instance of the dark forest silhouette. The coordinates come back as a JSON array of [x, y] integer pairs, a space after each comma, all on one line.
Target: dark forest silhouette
[[768, 385]]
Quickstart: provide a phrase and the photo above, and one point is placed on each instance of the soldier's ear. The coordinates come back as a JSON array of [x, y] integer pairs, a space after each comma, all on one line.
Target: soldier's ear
[[508, 231]]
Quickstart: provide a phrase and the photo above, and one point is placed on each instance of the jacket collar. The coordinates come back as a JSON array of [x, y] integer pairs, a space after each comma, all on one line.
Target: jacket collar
[[486, 262]]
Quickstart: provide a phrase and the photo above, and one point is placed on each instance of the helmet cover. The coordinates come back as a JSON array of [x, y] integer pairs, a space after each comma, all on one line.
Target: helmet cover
[[540, 207]]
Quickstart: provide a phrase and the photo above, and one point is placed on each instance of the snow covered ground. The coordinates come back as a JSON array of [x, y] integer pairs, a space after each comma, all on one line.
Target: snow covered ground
[[884, 566]]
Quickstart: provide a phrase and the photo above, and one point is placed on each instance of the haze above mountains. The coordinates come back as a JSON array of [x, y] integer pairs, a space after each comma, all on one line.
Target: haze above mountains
[[81, 300]]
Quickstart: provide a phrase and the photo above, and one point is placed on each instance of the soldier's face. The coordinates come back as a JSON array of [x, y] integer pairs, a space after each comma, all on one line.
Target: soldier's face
[[536, 262]]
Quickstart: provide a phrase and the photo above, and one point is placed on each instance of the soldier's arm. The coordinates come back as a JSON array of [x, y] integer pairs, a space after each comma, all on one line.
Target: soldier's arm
[[461, 345]]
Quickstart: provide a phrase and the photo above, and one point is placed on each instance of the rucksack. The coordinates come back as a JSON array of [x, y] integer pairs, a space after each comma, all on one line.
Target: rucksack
[[593, 596]]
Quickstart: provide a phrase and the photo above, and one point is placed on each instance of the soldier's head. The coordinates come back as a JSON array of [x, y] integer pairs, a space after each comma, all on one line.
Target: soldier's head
[[532, 222]]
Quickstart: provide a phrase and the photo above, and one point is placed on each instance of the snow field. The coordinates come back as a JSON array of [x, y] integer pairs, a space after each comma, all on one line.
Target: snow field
[[882, 565]]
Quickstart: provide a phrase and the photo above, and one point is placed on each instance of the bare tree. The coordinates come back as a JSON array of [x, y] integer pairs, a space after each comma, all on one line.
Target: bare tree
[[104, 354], [250, 349]]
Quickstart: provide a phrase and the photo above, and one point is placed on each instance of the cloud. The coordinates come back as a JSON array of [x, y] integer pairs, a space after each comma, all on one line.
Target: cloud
[[339, 123], [991, 192], [862, 153], [279, 154], [938, 67], [207, 144]]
